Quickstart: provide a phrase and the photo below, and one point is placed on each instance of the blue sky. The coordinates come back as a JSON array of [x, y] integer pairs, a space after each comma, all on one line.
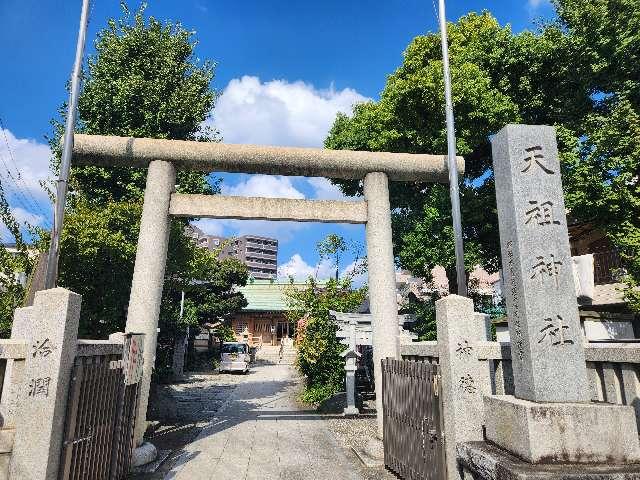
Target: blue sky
[[284, 69]]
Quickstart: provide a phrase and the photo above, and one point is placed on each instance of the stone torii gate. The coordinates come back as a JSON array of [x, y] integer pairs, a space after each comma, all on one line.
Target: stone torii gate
[[163, 157]]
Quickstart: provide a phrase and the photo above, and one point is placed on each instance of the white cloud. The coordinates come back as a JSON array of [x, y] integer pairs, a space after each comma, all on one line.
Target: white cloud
[[279, 112], [357, 269], [24, 164], [273, 186], [300, 270], [325, 190], [536, 4], [283, 231], [30, 165], [24, 218]]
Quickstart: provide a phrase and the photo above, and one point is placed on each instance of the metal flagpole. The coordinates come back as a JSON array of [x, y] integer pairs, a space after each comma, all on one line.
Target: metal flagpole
[[453, 170], [67, 149]]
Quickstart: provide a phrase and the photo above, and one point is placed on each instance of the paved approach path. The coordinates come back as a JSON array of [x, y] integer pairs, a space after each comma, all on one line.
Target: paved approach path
[[261, 434]]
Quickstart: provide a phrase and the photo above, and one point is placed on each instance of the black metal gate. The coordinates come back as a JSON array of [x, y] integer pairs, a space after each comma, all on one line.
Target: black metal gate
[[101, 413], [413, 441]]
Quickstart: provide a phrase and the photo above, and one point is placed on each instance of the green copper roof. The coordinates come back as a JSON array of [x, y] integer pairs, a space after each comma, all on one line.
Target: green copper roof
[[266, 296]]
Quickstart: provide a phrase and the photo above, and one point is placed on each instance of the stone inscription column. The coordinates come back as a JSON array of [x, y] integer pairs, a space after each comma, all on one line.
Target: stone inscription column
[[51, 350], [148, 274], [464, 379], [546, 342], [382, 278]]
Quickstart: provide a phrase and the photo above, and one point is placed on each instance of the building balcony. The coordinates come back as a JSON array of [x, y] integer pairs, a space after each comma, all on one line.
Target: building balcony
[[266, 256]]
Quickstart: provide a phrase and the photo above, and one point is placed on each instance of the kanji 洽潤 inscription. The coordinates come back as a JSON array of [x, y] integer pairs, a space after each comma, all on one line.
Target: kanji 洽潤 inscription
[[39, 387], [41, 348], [464, 349]]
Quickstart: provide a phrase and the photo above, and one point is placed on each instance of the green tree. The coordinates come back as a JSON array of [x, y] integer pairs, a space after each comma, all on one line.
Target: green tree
[[498, 77], [319, 350], [142, 81], [602, 165], [334, 246], [12, 291]]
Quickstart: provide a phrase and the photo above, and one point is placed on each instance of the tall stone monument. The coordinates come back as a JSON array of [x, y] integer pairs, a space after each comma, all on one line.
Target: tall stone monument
[[547, 352], [550, 419]]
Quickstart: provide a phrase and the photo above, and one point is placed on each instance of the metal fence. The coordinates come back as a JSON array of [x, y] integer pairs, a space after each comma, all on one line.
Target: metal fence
[[413, 441], [101, 412]]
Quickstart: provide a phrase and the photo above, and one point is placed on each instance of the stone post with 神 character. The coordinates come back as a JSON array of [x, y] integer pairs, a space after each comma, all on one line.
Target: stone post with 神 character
[[464, 378], [550, 419], [52, 343]]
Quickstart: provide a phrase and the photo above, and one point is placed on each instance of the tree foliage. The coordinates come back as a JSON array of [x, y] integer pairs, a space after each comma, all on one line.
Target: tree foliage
[[319, 350], [12, 264], [332, 246], [580, 73], [143, 81], [497, 78], [602, 177]]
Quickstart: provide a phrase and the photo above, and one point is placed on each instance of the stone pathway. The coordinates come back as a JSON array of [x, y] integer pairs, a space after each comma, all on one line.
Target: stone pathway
[[260, 433]]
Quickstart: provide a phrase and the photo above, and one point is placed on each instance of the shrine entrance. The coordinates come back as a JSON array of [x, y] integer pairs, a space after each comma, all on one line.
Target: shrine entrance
[[161, 202]]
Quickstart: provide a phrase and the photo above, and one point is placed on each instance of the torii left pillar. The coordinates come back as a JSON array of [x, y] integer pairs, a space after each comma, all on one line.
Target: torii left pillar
[[382, 279], [148, 280]]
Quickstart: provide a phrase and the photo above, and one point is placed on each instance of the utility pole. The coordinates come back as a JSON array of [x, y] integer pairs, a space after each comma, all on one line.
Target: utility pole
[[453, 170], [67, 149]]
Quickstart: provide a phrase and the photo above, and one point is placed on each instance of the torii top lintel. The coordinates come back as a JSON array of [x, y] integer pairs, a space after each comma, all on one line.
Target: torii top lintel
[[112, 151]]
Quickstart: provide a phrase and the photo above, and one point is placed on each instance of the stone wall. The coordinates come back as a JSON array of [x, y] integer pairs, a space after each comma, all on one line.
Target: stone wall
[[613, 368]]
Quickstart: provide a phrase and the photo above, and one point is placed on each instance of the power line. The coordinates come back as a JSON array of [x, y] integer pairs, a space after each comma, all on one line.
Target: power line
[[13, 161], [23, 196], [435, 11]]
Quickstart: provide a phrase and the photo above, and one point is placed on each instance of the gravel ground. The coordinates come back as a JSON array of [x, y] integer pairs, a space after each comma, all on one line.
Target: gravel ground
[[355, 433]]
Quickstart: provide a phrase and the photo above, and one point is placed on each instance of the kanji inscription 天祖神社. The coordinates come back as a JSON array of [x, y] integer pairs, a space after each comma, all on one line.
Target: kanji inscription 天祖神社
[[548, 359]]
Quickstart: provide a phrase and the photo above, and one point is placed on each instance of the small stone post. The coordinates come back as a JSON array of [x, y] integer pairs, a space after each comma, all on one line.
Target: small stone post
[[351, 355], [52, 342], [382, 279], [148, 275], [464, 378]]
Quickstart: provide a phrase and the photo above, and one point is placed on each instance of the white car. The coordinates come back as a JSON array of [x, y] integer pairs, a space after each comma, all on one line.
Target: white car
[[235, 357]]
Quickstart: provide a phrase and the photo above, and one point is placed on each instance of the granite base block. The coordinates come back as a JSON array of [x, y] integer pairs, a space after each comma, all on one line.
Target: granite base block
[[483, 461], [588, 433]]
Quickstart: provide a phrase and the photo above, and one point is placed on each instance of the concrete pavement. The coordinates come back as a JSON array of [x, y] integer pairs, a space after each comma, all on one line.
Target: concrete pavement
[[262, 434]]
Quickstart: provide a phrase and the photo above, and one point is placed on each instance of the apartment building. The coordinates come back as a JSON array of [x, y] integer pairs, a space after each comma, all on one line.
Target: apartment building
[[259, 254]]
